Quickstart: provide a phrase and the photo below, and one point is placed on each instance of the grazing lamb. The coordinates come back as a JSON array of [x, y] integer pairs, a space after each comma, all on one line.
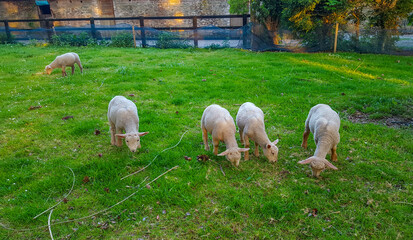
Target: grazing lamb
[[123, 115], [218, 122], [63, 61], [324, 123], [250, 122]]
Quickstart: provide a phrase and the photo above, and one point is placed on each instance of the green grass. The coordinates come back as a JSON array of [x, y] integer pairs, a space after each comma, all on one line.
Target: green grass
[[368, 198]]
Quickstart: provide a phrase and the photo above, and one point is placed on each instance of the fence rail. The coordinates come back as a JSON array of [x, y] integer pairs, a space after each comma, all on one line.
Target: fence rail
[[93, 29]]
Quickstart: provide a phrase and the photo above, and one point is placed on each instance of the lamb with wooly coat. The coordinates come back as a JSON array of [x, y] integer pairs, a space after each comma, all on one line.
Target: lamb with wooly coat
[[63, 61], [123, 115], [217, 121], [324, 123], [250, 122]]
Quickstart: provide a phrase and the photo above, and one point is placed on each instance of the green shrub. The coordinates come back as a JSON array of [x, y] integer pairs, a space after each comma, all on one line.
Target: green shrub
[[168, 40], [67, 39], [4, 40], [122, 40]]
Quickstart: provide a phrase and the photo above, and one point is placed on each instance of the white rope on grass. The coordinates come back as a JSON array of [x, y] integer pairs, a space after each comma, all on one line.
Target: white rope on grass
[[96, 213], [140, 170], [73, 184]]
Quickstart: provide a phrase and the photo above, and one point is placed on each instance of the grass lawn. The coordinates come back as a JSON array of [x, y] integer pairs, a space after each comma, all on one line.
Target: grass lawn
[[370, 196]]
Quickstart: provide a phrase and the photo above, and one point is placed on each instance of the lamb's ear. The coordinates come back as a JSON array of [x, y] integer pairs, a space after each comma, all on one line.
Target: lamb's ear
[[142, 134], [120, 135], [223, 153], [276, 141], [329, 165], [307, 161], [243, 149]]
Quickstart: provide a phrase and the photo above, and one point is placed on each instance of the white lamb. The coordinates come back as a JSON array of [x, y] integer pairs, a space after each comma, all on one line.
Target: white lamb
[[218, 122], [324, 123], [250, 122], [123, 115], [63, 61]]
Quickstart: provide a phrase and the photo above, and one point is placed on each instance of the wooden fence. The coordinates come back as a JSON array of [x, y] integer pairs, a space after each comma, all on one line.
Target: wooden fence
[[48, 23]]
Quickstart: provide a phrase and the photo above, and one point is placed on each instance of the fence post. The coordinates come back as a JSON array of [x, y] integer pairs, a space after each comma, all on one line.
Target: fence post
[[195, 26], [244, 28], [93, 28], [6, 26], [143, 37], [134, 35], [49, 33], [335, 38]]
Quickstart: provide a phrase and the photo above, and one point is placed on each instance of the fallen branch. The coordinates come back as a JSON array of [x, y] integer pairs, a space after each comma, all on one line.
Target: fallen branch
[[140, 170], [73, 184], [96, 213], [48, 222]]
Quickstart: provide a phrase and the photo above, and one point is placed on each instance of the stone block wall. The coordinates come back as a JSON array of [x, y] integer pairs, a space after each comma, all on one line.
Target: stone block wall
[[26, 9]]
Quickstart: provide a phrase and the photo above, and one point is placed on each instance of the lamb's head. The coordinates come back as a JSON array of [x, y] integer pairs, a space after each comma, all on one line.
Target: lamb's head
[[271, 151], [132, 140], [318, 165], [48, 69], [233, 155]]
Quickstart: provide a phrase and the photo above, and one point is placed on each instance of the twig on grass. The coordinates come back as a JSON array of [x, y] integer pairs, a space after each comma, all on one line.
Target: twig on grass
[[223, 173], [96, 213], [48, 222], [404, 203], [73, 184], [140, 170]]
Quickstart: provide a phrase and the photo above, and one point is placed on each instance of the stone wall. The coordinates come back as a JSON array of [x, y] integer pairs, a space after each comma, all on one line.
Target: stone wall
[[24, 9], [124, 8]]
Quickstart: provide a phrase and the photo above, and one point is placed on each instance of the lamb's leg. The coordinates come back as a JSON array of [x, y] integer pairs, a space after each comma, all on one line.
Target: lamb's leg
[[205, 138], [241, 136], [80, 66], [334, 154], [246, 145], [305, 138], [119, 139], [73, 69], [256, 152], [112, 134], [64, 71], [216, 144]]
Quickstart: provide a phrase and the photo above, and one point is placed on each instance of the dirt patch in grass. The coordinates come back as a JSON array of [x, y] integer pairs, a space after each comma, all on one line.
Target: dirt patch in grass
[[393, 121]]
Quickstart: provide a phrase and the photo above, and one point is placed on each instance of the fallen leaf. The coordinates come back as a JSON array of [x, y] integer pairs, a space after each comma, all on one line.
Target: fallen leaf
[[343, 94], [97, 132], [86, 179], [187, 158], [398, 61], [202, 158], [100, 154], [204, 80], [106, 189], [148, 186], [34, 107], [306, 192], [65, 200], [67, 117], [176, 112], [131, 95], [314, 212]]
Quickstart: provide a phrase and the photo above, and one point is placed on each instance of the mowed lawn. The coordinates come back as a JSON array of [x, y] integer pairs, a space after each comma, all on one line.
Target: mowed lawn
[[369, 197]]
